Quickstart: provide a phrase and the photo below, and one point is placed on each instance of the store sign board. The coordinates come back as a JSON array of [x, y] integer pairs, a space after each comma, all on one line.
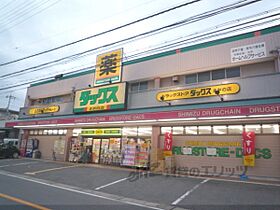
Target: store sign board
[[249, 153], [103, 98], [168, 144], [43, 110], [108, 68], [225, 89], [102, 132], [248, 52], [262, 109]]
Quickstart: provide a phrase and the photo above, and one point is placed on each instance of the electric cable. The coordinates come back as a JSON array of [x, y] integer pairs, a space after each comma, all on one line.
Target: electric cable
[[186, 21]]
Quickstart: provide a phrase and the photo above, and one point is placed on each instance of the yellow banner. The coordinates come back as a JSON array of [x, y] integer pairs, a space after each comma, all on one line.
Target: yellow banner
[[214, 143], [108, 68], [43, 110], [100, 98], [198, 92], [102, 132], [249, 160]]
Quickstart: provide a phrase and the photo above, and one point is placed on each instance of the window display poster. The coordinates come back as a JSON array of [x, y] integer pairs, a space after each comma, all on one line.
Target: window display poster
[[58, 146], [129, 152]]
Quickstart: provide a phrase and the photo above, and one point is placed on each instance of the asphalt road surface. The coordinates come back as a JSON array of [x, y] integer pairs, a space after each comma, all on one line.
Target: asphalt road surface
[[37, 184]]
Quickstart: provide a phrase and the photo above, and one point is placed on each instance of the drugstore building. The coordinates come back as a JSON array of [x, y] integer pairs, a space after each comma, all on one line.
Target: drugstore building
[[206, 95]]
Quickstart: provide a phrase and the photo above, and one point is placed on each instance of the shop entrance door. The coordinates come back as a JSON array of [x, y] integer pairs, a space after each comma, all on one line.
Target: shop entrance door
[[106, 151]]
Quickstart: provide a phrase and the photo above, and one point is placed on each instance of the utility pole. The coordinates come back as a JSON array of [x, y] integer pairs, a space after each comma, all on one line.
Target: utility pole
[[10, 97]]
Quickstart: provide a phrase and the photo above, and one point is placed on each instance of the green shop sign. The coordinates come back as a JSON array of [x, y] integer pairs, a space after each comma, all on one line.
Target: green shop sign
[[225, 152], [103, 98], [102, 132]]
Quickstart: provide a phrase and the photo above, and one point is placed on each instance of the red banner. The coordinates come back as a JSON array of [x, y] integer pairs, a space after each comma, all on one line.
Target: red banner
[[248, 142], [168, 144]]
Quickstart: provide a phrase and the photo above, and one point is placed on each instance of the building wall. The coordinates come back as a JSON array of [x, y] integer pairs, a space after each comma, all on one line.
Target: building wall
[[264, 166], [46, 146], [198, 60]]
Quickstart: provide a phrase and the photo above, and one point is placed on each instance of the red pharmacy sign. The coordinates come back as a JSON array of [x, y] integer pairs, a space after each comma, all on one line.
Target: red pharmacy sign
[[168, 144], [248, 148]]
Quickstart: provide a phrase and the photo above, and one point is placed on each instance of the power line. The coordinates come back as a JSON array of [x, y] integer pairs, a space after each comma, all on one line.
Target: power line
[[171, 26], [40, 11], [20, 11], [213, 34], [101, 33]]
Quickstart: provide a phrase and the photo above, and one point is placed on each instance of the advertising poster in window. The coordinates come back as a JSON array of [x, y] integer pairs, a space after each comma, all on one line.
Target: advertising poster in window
[[109, 97], [248, 142], [108, 68], [142, 153], [129, 152], [59, 146]]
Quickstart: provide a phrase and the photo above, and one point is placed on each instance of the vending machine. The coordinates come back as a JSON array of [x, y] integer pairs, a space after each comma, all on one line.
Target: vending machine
[[32, 144]]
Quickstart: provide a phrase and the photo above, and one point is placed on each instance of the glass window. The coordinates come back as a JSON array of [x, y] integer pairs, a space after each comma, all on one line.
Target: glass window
[[235, 129], [134, 87], [221, 129], [165, 129], [65, 131], [218, 74], [129, 131], [191, 130], [191, 78], [204, 129], [36, 132], [143, 85], [40, 132], [255, 128], [50, 132], [45, 132], [178, 130], [270, 128], [144, 131], [204, 76], [233, 72], [55, 132], [31, 132]]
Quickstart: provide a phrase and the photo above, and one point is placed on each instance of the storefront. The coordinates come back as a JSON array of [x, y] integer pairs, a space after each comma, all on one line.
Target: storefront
[[217, 150], [204, 95], [127, 146]]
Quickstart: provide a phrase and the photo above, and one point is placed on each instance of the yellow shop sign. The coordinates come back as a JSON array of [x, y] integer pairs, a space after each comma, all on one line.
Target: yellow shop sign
[[224, 89], [108, 68], [110, 97], [43, 110]]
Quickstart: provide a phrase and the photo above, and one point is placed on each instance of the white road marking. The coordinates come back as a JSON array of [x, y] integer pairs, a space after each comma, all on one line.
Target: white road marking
[[273, 183], [4, 166], [115, 182], [17, 164], [189, 192], [50, 169], [78, 191], [26, 163]]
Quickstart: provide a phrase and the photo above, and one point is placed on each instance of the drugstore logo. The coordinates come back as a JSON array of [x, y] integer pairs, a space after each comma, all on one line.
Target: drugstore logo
[[43, 110], [225, 89]]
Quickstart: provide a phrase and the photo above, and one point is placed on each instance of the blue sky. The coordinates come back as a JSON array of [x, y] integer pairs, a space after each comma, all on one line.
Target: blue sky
[[51, 23]]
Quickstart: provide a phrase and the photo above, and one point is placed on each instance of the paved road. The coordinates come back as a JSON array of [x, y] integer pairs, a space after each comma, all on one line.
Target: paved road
[[67, 186]]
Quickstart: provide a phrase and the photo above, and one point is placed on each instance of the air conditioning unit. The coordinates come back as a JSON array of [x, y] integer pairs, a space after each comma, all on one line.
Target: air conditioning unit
[[175, 78]]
